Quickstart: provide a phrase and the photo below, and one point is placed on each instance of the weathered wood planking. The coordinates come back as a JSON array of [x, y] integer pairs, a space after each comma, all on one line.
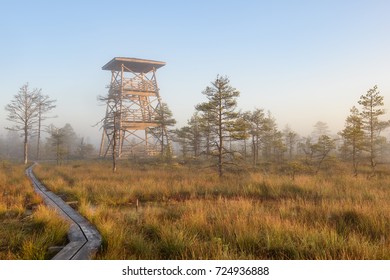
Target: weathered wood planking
[[84, 239]]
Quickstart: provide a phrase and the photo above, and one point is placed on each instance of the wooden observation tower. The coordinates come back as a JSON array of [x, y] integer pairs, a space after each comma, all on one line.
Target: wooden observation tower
[[133, 102]]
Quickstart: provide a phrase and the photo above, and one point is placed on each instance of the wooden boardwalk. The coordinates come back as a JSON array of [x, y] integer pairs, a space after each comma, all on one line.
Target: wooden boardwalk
[[84, 239]]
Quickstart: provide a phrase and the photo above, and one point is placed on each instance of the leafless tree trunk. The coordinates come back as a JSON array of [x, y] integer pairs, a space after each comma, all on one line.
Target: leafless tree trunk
[[44, 105], [23, 111], [25, 146]]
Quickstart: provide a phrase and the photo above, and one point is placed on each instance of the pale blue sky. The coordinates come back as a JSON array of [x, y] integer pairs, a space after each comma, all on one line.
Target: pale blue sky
[[304, 61]]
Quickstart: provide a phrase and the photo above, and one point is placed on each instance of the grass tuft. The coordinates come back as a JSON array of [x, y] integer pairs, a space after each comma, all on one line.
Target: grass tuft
[[185, 214], [28, 228]]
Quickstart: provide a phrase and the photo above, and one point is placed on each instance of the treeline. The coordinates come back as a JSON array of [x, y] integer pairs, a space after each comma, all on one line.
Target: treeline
[[59, 144], [219, 131], [28, 111]]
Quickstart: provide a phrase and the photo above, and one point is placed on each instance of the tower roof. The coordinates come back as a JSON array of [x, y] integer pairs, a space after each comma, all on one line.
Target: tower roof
[[133, 64]]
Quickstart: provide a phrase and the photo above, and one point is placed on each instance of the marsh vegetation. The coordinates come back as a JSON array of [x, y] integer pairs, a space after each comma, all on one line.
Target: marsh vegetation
[[28, 227], [187, 214]]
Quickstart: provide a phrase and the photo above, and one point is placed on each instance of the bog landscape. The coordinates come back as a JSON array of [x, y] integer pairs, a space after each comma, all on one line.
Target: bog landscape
[[229, 185], [195, 130]]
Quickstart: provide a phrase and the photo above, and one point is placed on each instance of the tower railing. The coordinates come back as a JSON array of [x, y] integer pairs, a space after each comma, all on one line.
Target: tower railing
[[133, 97]]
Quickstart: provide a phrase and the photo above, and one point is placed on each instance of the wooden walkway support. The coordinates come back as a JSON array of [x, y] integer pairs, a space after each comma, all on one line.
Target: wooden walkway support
[[84, 239]]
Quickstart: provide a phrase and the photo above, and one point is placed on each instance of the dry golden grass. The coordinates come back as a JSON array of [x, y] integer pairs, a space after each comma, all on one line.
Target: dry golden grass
[[28, 228], [189, 213]]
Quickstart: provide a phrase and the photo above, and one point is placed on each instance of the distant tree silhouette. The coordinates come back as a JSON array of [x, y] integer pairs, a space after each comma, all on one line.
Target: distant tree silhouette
[[353, 136], [164, 119], [291, 139], [256, 120], [44, 106]]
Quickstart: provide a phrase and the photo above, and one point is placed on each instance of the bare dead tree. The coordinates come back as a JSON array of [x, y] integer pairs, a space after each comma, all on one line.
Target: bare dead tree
[[23, 111], [44, 106]]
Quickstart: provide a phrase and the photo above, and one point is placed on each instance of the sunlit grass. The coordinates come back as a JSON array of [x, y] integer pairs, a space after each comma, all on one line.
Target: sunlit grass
[[28, 228], [187, 213]]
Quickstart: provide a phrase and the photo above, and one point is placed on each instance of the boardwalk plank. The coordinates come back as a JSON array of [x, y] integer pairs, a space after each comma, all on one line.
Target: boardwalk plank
[[85, 240]]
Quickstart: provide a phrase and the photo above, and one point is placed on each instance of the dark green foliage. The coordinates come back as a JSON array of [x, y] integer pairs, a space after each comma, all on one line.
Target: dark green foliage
[[220, 115]]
